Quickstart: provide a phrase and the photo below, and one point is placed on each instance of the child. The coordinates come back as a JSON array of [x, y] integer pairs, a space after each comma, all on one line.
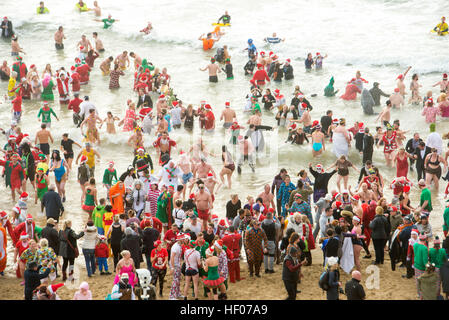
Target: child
[[97, 216], [83, 293], [102, 254], [17, 107], [178, 214], [228, 69]]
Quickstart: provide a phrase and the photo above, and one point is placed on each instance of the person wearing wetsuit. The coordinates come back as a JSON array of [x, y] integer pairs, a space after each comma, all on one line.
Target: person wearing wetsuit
[[326, 122], [228, 69], [309, 62], [376, 93], [250, 65], [288, 70], [226, 18]]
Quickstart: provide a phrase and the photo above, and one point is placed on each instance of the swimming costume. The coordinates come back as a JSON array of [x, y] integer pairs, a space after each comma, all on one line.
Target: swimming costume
[[316, 146], [59, 172]]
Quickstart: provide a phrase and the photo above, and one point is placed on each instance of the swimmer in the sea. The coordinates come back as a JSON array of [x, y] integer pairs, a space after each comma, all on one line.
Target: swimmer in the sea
[[147, 29], [273, 39], [107, 22], [317, 142]]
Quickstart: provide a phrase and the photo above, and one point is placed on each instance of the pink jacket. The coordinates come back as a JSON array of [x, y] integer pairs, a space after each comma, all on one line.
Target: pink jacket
[[430, 114]]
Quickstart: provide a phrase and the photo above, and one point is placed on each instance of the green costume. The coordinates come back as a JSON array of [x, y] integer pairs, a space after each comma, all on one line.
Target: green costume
[[146, 66], [108, 176], [47, 92], [202, 250], [46, 114], [164, 208], [43, 10], [446, 219], [425, 195], [329, 91], [437, 257], [108, 23], [97, 216], [421, 256]]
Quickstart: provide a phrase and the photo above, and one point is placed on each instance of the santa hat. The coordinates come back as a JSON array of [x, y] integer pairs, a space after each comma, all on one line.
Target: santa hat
[[304, 105], [24, 195], [141, 149], [393, 209], [83, 159], [355, 218], [214, 217], [444, 75], [3, 215], [192, 196], [319, 168], [293, 126], [415, 232], [318, 54], [271, 210], [72, 68], [12, 137], [16, 210], [356, 197], [262, 53], [218, 244], [111, 163], [144, 78], [288, 60], [210, 175], [275, 57], [180, 237], [24, 235], [174, 103], [335, 121], [406, 189], [297, 195], [171, 187], [401, 76], [52, 288], [210, 251], [222, 223], [338, 204], [271, 53], [259, 65], [277, 91], [157, 243], [208, 107], [315, 123], [162, 97], [29, 217], [227, 104]]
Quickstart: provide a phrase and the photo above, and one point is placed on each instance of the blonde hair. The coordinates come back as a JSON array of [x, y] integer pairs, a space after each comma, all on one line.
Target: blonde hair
[[116, 218], [443, 96], [379, 211], [43, 243], [125, 252], [67, 223]]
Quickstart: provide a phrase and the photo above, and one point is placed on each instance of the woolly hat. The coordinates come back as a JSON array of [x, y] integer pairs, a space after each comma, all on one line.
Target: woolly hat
[[84, 285]]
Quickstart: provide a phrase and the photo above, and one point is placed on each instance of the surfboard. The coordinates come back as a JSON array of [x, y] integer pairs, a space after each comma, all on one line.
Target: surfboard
[[442, 34], [221, 24]]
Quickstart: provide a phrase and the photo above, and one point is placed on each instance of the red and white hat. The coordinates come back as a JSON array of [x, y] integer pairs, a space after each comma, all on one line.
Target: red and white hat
[[401, 76], [319, 168], [174, 103], [24, 235], [12, 137], [210, 175], [72, 68], [335, 121], [180, 237], [83, 159], [141, 149], [162, 97], [415, 232], [218, 244], [355, 218], [208, 107], [111, 163], [318, 54], [16, 210], [356, 197], [293, 126], [192, 196], [227, 104], [214, 217], [52, 288], [277, 91], [304, 105], [223, 223], [262, 53], [288, 60], [3, 215], [24, 195], [29, 217]]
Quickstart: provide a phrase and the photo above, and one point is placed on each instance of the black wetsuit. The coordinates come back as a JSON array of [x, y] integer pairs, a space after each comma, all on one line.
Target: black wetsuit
[[249, 67], [288, 72], [226, 19], [368, 143], [228, 70]]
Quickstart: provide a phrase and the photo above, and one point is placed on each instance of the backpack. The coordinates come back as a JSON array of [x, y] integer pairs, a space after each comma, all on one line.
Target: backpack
[[324, 280]]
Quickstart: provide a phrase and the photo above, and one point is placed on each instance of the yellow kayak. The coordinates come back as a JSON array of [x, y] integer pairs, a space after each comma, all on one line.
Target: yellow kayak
[[221, 24]]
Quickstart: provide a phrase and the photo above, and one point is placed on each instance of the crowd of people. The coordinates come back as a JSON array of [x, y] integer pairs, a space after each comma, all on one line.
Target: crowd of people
[[158, 217]]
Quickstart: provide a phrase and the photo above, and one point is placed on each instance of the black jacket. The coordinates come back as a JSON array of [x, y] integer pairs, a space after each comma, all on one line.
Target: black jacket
[[145, 98], [419, 159], [354, 290], [380, 228], [51, 234], [321, 179], [65, 250], [8, 32], [53, 204], [288, 72], [32, 281], [132, 244], [149, 236], [376, 93], [409, 146]]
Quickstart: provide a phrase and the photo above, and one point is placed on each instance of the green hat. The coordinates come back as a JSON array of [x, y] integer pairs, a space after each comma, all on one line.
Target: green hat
[[432, 127]]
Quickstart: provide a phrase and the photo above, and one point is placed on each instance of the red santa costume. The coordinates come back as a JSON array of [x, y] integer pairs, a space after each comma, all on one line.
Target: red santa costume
[[27, 227], [21, 245], [157, 144], [398, 185], [63, 89], [142, 83], [260, 76], [411, 242], [75, 81], [232, 242], [83, 71], [209, 119], [144, 111]]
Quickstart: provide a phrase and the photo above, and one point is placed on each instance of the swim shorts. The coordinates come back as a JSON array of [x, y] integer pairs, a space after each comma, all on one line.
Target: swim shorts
[[213, 79], [45, 148], [203, 214], [59, 46], [186, 177], [227, 125]]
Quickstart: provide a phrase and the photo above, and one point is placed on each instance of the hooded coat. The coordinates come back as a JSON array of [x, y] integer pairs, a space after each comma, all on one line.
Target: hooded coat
[[329, 91], [367, 102]]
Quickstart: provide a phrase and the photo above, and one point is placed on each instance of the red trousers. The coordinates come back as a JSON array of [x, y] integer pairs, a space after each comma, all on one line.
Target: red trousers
[[234, 270], [367, 233]]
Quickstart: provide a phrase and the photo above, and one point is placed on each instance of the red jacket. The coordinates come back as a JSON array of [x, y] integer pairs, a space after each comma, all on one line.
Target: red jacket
[[101, 250], [21, 227], [83, 71], [170, 236], [260, 76], [231, 241], [157, 224], [74, 105], [76, 82], [63, 87]]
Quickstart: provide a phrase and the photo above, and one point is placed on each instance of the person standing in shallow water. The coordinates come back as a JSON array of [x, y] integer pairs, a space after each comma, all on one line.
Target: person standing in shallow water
[[213, 69]]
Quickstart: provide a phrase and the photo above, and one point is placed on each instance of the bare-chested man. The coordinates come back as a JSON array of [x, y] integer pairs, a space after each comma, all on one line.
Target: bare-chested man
[[98, 43], [228, 115], [137, 60], [400, 82], [91, 121], [305, 119], [267, 197], [105, 66], [136, 140], [204, 204], [211, 183], [122, 60], [59, 36], [202, 169], [96, 9], [185, 164], [396, 99], [163, 124], [213, 69], [43, 136], [255, 119], [87, 46], [161, 103], [385, 115], [365, 194], [318, 144]]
